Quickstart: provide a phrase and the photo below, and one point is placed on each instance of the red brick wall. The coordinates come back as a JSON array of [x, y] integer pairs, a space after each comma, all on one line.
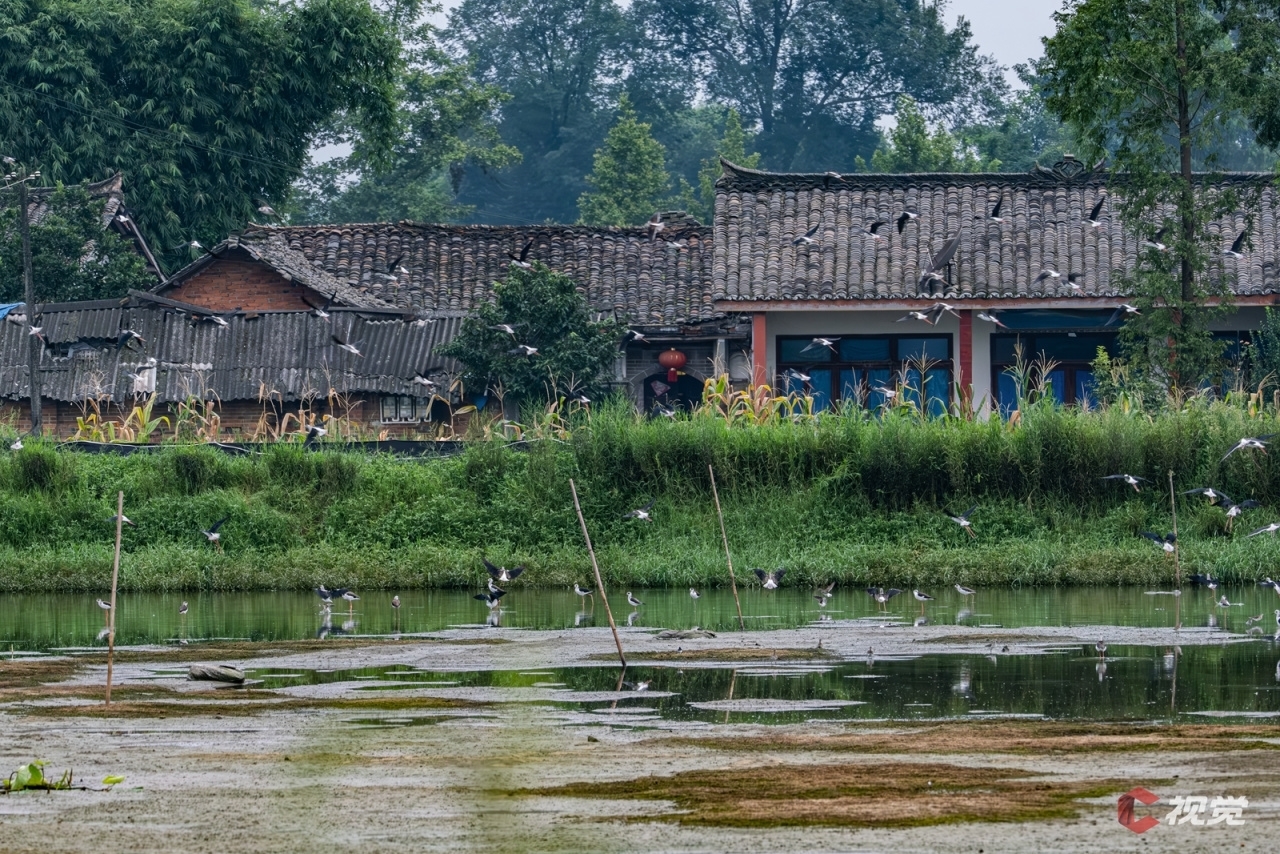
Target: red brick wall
[[227, 284]]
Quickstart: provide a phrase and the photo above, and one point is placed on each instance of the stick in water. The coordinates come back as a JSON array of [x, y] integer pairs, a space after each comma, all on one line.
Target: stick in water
[[733, 584], [596, 567], [115, 579]]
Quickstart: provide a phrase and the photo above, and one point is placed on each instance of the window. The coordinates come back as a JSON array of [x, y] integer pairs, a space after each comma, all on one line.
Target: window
[[1070, 354], [860, 368], [403, 409]]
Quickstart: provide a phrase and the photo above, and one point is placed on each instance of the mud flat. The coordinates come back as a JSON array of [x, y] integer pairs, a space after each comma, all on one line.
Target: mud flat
[[369, 742]]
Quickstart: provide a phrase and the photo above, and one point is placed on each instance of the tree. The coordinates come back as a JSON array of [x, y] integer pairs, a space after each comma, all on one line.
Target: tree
[[815, 75], [732, 147], [629, 177], [209, 108], [72, 256], [444, 123], [910, 147], [561, 61], [1156, 84], [1021, 133], [573, 353]]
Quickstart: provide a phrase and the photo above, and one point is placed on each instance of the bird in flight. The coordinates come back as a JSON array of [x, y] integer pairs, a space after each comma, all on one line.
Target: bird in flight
[[995, 216], [128, 336], [212, 535], [806, 238], [655, 225], [643, 513], [1093, 218], [1073, 283], [990, 317], [933, 273], [1046, 274], [1169, 542], [1156, 242], [505, 327], [1255, 443], [1125, 310], [1208, 492], [124, 520], [927, 316], [634, 336], [793, 374], [872, 230], [521, 260], [769, 580], [1237, 247], [501, 573], [353, 349], [906, 217], [1131, 479], [523, 350], [818, 343], [963, 520]]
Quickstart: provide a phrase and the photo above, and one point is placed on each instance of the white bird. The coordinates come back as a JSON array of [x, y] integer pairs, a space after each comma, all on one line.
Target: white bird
[[963, 520], [656, 226], [522, 350], [583, 594], [633, 601], [872, 230], [103, 605], [694, 594], [1047, 274], [991, 318], [1101, 649], [994, 216], [505, 327], [1155, 242], [212, 534], [643, 513], [36, 332], [806, 238], [16, 446], [501, 573], [395, 602], [522, 260], [1255, 443], [921, 597], [1093, 218], [490, 599], [423, 381], [1236, 247], [1132, 480], [638, 686], [1125, 310], [182, 609], [818, 343], [353, 349], [965, 591], [769, 580], [905, 218], [1266, 529], [124, 520]]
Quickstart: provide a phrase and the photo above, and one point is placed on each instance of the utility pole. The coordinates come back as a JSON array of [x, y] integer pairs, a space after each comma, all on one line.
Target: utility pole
[[29, 294]]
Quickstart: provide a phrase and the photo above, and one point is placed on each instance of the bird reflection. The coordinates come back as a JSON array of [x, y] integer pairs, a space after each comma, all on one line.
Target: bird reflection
[[631, 618], [921, 621], [581, 617], [495, 618], [962, 615], [1101, 667], [106, 630], [964, 687]]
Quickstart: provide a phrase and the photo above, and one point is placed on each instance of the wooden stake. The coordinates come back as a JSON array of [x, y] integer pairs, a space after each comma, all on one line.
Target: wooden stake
[[599, 581], [733, 584], [115, 580], [1177, 564]]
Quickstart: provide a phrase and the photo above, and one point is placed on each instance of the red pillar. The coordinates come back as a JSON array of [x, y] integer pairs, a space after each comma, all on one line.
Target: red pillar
[[964, 368], [759, 351]]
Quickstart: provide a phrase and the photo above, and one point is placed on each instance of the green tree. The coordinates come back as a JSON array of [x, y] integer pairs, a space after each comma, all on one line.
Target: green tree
[[815, 76], [732, 147], [209, 108], [574, 353], [445, 122], [72, 256], [910, 147], [629, 177], [1021, 134], [1156, 84]]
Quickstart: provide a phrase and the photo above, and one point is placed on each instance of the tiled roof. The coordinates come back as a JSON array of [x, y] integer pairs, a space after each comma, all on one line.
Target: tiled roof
[[274, 251], [664, 282], [758, 214], [291, 353]]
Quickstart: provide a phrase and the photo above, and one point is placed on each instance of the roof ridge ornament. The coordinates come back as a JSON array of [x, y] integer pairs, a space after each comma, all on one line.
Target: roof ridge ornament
[[1067, 169]]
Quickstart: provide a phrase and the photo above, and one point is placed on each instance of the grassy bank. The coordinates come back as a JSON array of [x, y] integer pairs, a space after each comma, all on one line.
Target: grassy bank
[[833, 498]]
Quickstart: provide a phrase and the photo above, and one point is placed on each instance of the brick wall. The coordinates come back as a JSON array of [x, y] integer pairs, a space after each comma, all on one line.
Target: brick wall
[[227, 284]]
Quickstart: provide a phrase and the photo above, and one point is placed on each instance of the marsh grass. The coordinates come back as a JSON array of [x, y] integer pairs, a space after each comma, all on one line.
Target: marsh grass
[[847, 497]]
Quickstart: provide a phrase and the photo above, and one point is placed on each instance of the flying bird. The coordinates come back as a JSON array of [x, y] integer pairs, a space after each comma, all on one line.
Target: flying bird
[[925, 316], [963, 520], [1046, 274], [128, 336], [1131, 479], [817, 343], [1169, 542], [769, 580], [17, 445], [994, 216], [1237, 247], [1074, 284], [1156, 242], [1255, 443], [523, 350], [633, 336], [643, 514], [1125, 310], [501, 573], [873, 229], [933, 273], [807, 237], [323, 312], [124, 520], [906, 217], [655, 225], [212, 535], [353, 349], [1208, 492], [1266, 529], [793, 374], [314, 434], [1205, 580], [990, 317], [505, 327], [1093, 218], [521, 260]]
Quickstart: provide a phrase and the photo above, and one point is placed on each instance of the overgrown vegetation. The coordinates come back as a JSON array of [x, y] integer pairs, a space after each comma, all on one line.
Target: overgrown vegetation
[[854, 496]]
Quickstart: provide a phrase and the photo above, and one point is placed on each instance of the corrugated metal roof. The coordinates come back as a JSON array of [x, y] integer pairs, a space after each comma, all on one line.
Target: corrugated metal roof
[[289, 353]]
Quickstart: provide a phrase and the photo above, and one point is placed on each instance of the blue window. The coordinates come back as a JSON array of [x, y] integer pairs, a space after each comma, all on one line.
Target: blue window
[[1068, 354], [862, 368]]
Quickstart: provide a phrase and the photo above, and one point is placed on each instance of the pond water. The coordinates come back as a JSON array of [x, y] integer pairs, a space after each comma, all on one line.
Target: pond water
[[1234, 683], [45, 622]]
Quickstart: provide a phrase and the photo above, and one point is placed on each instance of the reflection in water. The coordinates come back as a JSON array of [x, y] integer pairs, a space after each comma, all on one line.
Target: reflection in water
[[1132, 684], [45, 621]]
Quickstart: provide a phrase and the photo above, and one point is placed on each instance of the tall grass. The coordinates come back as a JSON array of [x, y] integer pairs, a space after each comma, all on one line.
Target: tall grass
[[845, 496]]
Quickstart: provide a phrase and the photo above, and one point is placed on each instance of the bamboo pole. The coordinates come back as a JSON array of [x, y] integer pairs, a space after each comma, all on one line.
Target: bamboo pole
[[724, 537], [1177, 564], [115, 580], [599, 581]]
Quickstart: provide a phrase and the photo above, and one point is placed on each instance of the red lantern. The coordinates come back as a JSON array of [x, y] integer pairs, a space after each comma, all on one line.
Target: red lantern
[[673, 360]]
